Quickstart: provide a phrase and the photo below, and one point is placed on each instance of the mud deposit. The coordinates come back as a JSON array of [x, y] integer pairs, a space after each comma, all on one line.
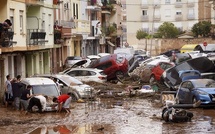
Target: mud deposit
[[106, 116]]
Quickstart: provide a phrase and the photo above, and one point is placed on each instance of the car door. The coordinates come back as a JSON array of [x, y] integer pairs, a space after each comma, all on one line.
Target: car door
[[184, 92], [63, 87]]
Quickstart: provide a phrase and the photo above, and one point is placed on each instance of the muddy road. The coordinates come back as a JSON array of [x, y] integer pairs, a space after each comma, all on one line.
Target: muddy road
[[107, 115]]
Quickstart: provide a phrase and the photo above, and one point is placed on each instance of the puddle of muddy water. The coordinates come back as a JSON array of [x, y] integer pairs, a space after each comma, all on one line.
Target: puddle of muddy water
[[106, 116]]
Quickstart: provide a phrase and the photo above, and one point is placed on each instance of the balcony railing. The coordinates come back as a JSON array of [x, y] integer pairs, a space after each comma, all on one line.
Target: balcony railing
[[6, 38], [157, 18], [190, 16], [191, 4], [34, 2], [67, 24], [145, 18], [178, 4], [81, 26], [36, 37], [178, 17], [144, 6]]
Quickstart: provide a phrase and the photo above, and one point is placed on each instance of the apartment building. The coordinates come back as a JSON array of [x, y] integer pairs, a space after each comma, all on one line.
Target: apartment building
[[26, 46], [150, 14]]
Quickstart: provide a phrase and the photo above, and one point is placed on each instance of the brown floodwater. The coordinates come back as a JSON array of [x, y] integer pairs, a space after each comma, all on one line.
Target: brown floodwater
[[106, 116]]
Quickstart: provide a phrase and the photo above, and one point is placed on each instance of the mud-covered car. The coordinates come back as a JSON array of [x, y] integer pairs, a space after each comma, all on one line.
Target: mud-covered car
[[171, 78], [68, 84], [153, 70], [42, 86], [114, 66]]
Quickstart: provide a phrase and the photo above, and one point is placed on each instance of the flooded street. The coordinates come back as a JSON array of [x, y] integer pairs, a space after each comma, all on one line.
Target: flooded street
[[106, 116]]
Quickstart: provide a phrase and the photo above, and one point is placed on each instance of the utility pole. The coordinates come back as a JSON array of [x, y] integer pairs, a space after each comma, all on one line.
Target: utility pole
[[152, 32]]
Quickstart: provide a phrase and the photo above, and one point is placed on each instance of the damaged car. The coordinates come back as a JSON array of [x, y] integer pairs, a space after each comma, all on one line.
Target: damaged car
[[115, 66], [192, 90], [171, 78]]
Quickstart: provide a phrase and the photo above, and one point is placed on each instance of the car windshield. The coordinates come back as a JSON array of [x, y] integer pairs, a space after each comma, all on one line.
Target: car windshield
[[49, 90], [204, 83], [70, 80]]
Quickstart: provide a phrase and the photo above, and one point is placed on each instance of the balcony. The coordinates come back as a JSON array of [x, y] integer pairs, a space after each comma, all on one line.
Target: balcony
[[67, 24], [144, 6], [93, 5], [178, 17], [190, 4], [81, 26], [34, 2], [178, 5], [36, 37], [145, 18], [6, 39], [157, 17], [190, 16]]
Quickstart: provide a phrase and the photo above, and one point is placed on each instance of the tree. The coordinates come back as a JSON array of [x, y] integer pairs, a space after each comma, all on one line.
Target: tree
[[140, 34], [168, 30], [202, 28]]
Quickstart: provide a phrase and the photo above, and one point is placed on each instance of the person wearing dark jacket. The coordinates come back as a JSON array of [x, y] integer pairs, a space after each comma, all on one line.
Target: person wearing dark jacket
[[17, 92]]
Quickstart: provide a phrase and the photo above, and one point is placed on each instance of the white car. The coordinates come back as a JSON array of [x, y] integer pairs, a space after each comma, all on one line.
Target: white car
[[71, 85], [86, 74], [71, 60]]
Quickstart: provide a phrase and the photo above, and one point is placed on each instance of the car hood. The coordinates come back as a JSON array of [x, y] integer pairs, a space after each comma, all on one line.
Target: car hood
[[208, 90], [202, 64]]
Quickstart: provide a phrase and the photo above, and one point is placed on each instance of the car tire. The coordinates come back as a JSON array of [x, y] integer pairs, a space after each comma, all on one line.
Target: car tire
[[120, 76], [74, 97]]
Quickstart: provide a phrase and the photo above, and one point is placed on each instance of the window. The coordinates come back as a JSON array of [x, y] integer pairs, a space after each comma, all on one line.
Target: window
[[191, 11], [12, 18], [167, 1], [178, 0], [144, 12], [49, 21], [178, 12], [144, 2], [167, 13], [21, 20], [43, 21]]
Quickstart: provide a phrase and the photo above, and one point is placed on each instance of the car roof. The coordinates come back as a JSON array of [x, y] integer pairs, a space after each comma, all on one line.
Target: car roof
[[37, 81]]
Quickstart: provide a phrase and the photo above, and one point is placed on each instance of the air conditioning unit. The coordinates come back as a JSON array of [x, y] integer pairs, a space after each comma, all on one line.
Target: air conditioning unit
[[66, 6]]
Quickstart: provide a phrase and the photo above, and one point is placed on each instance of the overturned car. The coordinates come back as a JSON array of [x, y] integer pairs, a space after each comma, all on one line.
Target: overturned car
[[171, 78]]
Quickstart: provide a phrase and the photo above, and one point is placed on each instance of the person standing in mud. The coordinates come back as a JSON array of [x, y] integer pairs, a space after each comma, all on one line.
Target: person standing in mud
[[63, 101], [25, 96], [8, 91], [17, 91]]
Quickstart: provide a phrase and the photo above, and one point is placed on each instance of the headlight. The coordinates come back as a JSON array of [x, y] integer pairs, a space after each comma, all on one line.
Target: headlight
[[202, 92]]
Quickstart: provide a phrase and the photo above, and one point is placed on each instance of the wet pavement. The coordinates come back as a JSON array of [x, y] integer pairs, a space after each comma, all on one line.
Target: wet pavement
[[106, 116], [111, 113]]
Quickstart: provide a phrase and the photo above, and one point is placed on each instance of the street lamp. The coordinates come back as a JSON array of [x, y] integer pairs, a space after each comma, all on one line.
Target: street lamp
[[152, 32]]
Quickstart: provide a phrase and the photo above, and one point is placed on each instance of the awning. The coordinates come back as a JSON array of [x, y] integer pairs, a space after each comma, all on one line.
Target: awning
[[110, 43]]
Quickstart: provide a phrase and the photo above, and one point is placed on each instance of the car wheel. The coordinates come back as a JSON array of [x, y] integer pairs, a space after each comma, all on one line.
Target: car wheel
[[152, 80], [194, 100], [119, 76], [74, 97]]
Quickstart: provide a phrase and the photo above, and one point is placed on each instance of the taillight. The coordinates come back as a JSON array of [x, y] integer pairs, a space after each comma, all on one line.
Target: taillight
[[102, 77]]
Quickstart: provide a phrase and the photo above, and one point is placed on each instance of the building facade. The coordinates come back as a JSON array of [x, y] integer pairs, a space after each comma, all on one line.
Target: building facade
[[151, 14]]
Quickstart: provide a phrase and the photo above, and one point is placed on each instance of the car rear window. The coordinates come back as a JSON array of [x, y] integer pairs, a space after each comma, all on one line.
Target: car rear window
[[49, 90]]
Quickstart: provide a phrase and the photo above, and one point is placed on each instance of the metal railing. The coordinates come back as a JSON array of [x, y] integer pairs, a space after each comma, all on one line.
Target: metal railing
[[36, 37]]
